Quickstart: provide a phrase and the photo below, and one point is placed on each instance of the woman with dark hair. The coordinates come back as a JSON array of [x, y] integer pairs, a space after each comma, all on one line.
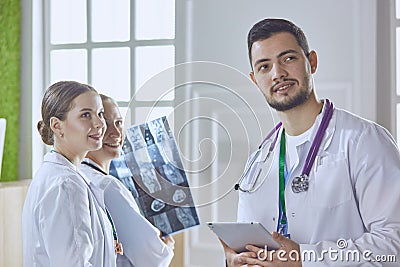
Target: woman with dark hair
[[64, 221]]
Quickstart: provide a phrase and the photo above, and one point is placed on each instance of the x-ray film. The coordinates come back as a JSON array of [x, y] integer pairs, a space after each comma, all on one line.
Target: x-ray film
[[151, 168]]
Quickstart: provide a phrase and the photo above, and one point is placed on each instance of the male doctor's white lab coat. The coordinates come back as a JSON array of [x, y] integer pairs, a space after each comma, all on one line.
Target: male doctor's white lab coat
[[140, 239], [354, 193], [63, 220]]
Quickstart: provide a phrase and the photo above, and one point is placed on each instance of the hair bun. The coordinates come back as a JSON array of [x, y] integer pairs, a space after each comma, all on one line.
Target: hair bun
[[46, 133]]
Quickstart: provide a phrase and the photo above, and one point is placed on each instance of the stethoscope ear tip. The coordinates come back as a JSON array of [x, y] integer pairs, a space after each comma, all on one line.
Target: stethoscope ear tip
[[236, 187]]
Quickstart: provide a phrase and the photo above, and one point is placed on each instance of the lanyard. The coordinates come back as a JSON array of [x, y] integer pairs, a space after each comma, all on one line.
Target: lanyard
[[108, 214], [282, 152], [118, 246], [302, 180]]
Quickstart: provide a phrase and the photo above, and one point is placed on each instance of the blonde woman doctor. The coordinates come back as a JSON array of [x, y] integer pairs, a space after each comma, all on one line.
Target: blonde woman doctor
[[141, 241], [64, 221]]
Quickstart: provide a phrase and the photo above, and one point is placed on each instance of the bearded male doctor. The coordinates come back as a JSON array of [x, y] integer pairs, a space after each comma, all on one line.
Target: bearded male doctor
[[332, 195]]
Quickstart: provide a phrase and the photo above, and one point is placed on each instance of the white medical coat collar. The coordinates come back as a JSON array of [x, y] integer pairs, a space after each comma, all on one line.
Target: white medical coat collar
[[329, 131], [57, 158], [90, 161], [100, 183]]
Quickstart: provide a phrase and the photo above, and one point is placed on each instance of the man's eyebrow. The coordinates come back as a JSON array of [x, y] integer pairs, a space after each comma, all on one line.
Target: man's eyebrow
[[261, 60], [279, 55], [288, 52]]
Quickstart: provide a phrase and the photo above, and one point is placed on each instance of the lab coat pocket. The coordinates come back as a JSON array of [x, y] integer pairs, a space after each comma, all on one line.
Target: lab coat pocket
[[331, 185]]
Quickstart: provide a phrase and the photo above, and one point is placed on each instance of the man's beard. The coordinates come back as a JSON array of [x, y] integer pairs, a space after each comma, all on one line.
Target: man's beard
[[292, 102], [301, 97]]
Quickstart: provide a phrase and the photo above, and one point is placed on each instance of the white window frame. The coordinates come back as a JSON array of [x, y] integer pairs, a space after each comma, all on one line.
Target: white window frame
[[396, 65], [36, 74], [89, 46], [387, 98]]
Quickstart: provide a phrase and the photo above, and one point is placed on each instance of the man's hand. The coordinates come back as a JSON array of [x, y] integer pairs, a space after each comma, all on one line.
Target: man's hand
[[287, 255], [234, 259]]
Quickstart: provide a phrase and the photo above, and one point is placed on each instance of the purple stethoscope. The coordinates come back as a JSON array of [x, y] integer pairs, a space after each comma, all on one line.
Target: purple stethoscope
[[300, 183]]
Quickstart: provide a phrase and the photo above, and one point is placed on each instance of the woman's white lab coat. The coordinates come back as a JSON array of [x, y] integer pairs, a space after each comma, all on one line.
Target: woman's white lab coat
[[63, 221], [354, 193], [139, 238]]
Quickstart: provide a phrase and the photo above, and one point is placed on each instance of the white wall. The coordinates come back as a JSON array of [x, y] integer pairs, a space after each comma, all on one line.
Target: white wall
[[343, 32]]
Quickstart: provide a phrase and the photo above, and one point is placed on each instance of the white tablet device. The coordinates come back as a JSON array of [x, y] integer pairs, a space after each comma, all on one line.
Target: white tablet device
[[238, 235]]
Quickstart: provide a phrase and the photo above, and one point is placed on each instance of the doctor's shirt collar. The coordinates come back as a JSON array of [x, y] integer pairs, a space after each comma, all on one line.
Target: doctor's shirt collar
[[57, 158]]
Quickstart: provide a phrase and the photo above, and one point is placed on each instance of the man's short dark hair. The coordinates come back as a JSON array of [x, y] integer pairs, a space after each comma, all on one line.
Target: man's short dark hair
[[267, 27]]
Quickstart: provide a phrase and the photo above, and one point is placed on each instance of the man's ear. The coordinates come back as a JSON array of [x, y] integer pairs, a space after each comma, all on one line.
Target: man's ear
[[313, 59], [253, 78], [56, 126]]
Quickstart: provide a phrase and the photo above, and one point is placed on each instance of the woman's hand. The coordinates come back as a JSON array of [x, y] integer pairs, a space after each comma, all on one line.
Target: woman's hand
[[169, 241]]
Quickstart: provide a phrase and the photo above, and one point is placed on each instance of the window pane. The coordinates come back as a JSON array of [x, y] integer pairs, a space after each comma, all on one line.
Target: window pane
[[111, 72], [398, 61], [398, 9], [123, 111], [68, 64], [126, 115], [67, 21], [110, 20], [143, 115], [149, 61], [154, 19]]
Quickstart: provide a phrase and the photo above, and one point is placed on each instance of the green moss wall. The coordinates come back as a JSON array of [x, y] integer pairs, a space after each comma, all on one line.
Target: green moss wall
[[10, 23]]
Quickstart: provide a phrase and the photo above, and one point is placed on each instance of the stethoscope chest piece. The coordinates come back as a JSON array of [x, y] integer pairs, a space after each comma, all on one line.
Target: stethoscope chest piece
[[300, 183]]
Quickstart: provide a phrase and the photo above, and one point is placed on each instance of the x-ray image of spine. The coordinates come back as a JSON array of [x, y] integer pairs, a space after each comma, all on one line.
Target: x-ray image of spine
[[157, 129], [155, 156], [130, 158], [161, 139], [166, 142], [142, 157], [136, 137], [185, 217], [149, 178], [139, 146], [119, 170], [155, 176], [172, 174], [162, 223], [127, 181]]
